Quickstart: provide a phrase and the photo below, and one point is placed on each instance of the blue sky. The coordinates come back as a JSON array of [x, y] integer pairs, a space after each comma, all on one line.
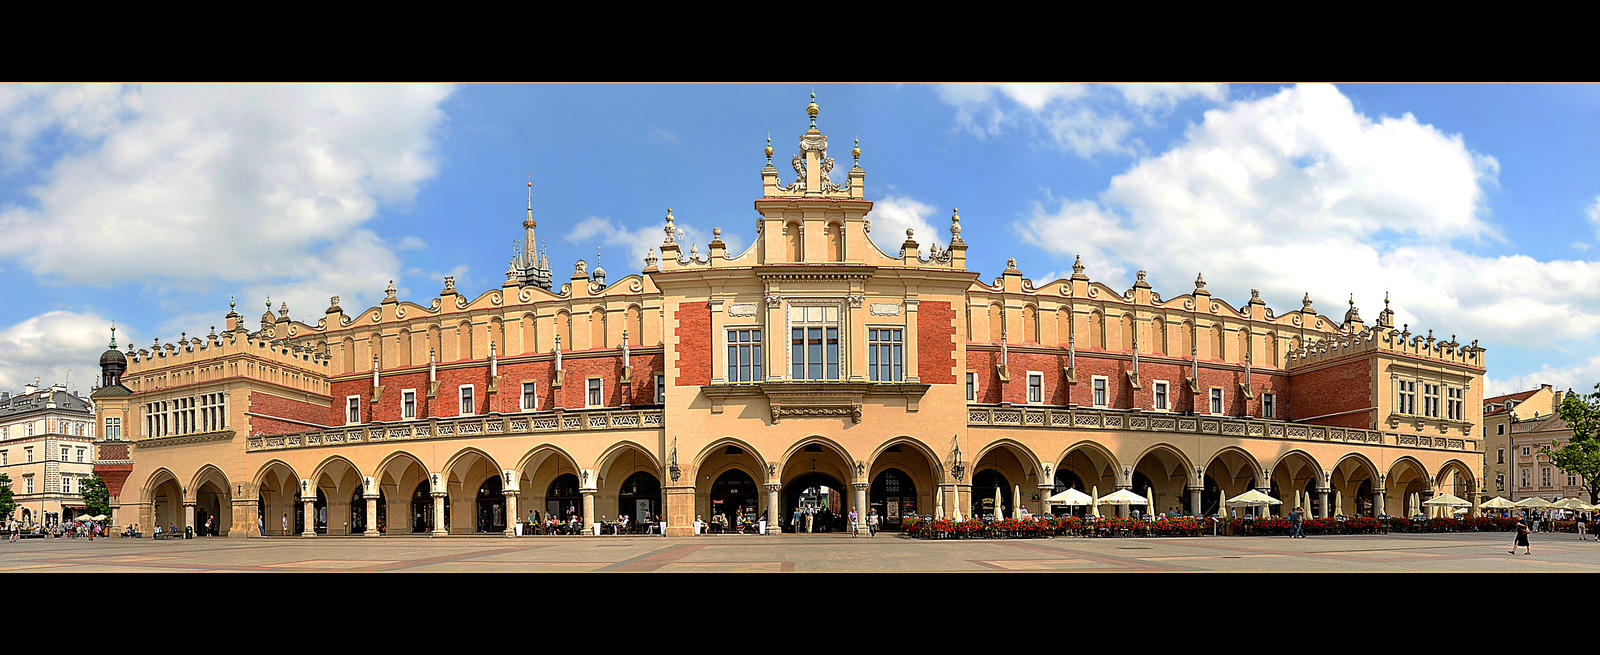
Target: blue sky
[[150, 205]]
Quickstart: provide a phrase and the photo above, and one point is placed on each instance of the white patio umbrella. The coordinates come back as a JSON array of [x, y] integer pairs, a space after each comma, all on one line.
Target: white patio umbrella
[[1070, 498], [1442, 501], [99, 517], [1533, 503], [1150, 499], [1338, 503], [1254, 498], [1497, 503], [1123, 497], [1094, 500], [1568, 503], [999, 511], [1016, 501]]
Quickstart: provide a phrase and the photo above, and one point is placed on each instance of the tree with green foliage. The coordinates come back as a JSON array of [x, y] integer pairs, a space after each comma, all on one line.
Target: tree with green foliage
[[1581, 454], [8, 502], [95, 496]]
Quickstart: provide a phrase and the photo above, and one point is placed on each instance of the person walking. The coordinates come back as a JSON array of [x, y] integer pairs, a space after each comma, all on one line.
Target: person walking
[[285, 525], [1522, 539], [1297, 522], [854, 530], [811, 519], [872, 523]]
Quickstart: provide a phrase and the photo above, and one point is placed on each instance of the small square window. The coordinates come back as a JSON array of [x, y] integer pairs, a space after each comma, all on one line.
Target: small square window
[[1159, 390], [408, 403], [972, 387], [596, 397], [352, 411], [530, 396], [1269, 405], [1100, 384], [1216, 401], [1035, 387], [468, 404]]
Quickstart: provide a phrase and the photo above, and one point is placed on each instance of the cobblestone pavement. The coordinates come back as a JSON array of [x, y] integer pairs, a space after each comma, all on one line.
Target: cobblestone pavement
[[1468, 552]]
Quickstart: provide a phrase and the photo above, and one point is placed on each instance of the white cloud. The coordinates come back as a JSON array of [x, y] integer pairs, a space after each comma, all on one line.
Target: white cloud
[[1298, 192], [1579, 246], [635, 243], [56, 347], [1082, 119], [216, 182], [1580, 377], [893, 215], [1594, 215]]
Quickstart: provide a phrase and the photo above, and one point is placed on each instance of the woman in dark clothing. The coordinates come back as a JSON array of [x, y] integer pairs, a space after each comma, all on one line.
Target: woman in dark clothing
[[1522, 539]]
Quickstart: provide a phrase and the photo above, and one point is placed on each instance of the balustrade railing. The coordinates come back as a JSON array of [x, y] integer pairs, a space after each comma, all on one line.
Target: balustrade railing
[[463, 426], [1218, 425]]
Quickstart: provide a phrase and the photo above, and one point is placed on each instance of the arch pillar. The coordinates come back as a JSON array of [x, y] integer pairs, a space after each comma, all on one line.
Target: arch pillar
[[438, 512], [246, 518], [511, 510], [310, 511], [858, 502], [1045, 491], [1322, 502], [588, 509], [1377, 501], [774, 521], [680, 510], [1194, 499], [188, 513], [372, 515]]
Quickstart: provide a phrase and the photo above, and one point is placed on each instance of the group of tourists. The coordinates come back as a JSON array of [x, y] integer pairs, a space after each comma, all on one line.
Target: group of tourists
[[54, 529]]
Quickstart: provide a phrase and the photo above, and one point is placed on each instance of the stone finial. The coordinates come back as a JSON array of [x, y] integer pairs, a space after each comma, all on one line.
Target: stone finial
[[231, 306], [213, 336], [1139, 281], [856, 152], [716, 235], [955, 226], [769, 149], [671, 229], [449, 285], [389, 291], [910, 232], [1010, 262], [1199, 282], [333, 304], [1255, 297], [650, 258], [1077, 267], [283, 309], [1305, 303]]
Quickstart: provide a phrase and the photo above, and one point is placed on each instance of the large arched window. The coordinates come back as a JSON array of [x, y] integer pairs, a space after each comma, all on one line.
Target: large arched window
[[464, 340], [1097, 330], [404, 350], [597, 328], [996, 322], [1217, 349], [1064, 324], [1030, 323], [633, 321], [793, 244], [1158, 336], [530, 333], [1127, 332]]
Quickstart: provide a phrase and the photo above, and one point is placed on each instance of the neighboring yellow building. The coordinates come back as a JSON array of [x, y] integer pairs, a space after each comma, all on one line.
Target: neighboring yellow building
[[46, 448], [809, 365]]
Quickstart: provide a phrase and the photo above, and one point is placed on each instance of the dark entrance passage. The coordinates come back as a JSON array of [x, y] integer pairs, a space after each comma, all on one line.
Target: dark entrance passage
[[561, 499], [734, 494], [984, 485], [422, 510], [358, 512], [491, 506], [820, 493], [639, 498], [320, 511], [893, 495]]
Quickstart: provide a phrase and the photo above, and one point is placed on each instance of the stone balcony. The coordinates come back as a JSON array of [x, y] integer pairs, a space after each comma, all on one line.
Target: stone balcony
[[464, 427], [1104, 419]]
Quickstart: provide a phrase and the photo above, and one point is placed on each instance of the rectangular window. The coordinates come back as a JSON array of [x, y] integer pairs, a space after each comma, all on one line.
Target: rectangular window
[[1216, 401], [1269, 405], [814, 342], [1572, 480], [1454, 403], [65, 452], [113, 429], [883, 355], [530, 396], [1524, 478], [1406, 399], [1099, 391], [30, 484], [596, 392], [468, 405], [1035, 387], [1499, 429], [1500, 456], [972, 387], [1160, 391], [1524, 451], [744, 355], [352, 410], [1544, 476], [1500, 481], [408, 403], [80, 454], [1430, 400], [29, 453], [5, 458], [661, 388], [66, 484]]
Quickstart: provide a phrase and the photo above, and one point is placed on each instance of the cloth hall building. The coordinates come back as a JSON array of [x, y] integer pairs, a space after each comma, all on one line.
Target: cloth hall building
[[813, 365]]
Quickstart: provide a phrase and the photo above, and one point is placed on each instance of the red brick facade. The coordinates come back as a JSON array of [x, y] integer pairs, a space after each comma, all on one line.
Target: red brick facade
[[936, 348], [1120, 394], [508, 400], [1339, 388], [277, 406], [694, 344]]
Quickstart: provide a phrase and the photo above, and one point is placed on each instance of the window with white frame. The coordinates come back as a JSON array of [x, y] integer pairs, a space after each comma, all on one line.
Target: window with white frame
[[1430, 399], [352, 410], [1525, 451], [81, 452], [1572, 479], [1500, 456], [5, 458], [1159, 390], [744, 355], [1216, 400], [883, 354], [1454, 403], [661, 388], [113, 429], [408, 403], [66, 454], [1500, 481], [1544, 476], [29, 453], [468, 405], [530, 396], [1100, 385], [972, 387], [30, 484], [814, 342], [1406, 396], [1269, 405], [1035, 387], [66, 484], [596, 397]]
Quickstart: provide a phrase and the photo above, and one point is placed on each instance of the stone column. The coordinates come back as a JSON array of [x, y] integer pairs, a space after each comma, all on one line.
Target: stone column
[[1377, 502], [1194, 500], [372, 515], [1322, 501], [188, 517], [860, 503], [680, 510], [310, 517], [588, 510], [511, 510], [775, 516], [244, 523], [1045, 491], [438, 514], [1476, 510]]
